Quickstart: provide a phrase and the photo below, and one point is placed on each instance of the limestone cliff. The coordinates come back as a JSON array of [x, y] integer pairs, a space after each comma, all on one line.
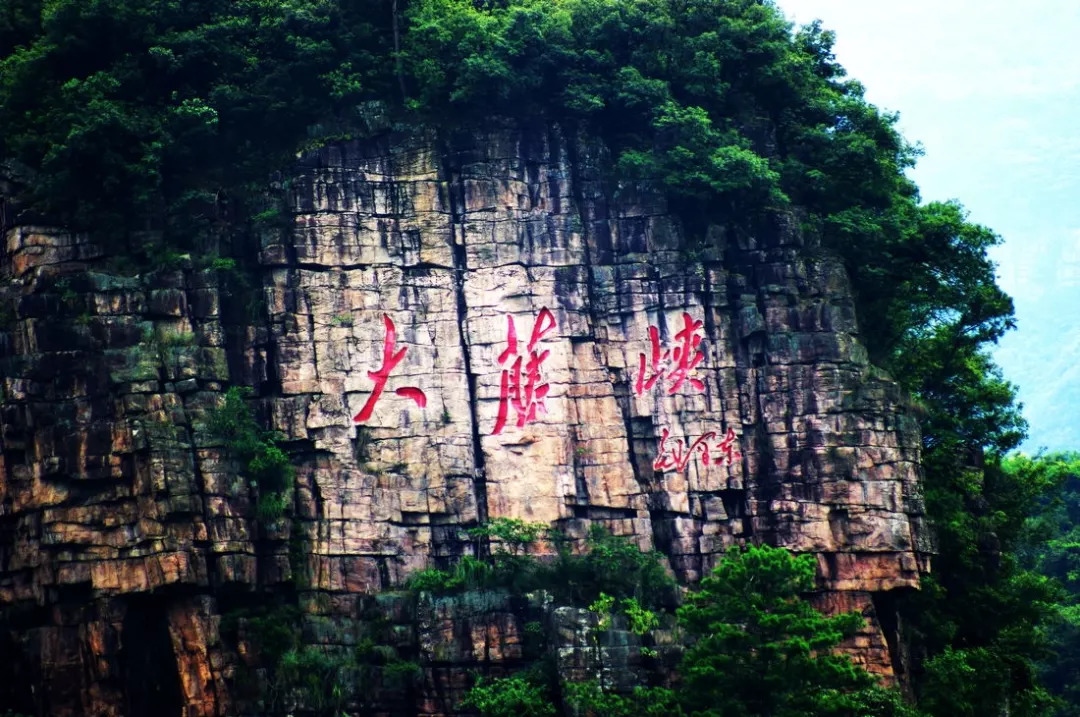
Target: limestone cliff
[[455, 328]]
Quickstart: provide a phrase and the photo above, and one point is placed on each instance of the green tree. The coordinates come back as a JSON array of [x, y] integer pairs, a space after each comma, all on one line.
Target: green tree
[[981, 621], [613, 565], [1051, 547], [121, 115], [514, 696], [759, 648]]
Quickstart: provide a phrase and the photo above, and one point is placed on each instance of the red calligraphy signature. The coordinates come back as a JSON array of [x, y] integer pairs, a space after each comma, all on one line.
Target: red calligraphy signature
[[676, 454]]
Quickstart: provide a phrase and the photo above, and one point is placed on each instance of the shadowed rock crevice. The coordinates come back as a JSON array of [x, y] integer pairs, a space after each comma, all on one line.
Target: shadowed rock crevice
[[450, 178], [148, 667]]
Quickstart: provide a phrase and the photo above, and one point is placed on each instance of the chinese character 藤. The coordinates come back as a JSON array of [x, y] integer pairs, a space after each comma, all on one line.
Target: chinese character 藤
[[520, 384]]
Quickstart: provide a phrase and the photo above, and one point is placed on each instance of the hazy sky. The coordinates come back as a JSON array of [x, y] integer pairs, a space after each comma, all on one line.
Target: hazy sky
[[991, 89]]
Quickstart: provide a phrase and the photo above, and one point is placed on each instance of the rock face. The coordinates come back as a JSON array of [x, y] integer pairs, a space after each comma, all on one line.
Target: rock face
[[455, 328]]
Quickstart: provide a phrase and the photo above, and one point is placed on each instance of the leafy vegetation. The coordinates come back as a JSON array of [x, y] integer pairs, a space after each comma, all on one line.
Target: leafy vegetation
[[757, 648], [761, 649], [320, 679], [183, 114], [981, 621], [264, 462], [608, 566], [1051, 547], [590, 700], [514, 696]]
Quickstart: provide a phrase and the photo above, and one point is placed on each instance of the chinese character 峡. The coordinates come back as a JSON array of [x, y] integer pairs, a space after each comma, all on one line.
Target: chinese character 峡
[[391, 358], [682, 359], [676, 455], [521, 385]]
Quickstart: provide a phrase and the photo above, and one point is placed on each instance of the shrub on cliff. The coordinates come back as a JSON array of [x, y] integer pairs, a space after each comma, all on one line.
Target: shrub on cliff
[[264, 463], [514, 696], [756, 648]]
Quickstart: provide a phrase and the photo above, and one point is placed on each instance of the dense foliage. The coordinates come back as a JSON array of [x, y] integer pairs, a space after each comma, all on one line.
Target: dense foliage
[[514, 696], [756, 648], [123, 115], [1051, 547], [608, 566], [760, 649]]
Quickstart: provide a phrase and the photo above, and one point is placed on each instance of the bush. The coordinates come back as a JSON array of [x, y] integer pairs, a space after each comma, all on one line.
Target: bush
[[514, 696], [614, 566], [514, 533], [433, 580], [609, 565], [588, 700], [265, 463], [760, 649], [756, 648], [318, 678]]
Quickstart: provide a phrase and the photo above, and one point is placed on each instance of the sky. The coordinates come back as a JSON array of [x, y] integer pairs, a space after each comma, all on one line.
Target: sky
[[991, 90]]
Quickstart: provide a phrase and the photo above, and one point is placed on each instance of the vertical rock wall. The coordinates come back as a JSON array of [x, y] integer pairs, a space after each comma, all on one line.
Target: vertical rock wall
[[692, 392]]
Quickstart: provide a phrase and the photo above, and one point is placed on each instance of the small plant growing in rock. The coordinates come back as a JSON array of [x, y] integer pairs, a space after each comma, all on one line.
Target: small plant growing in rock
[[298, 556], [170, 338], [433, 580], [270, 217], [400, 674], [514, 533], [362, 444], [345, 320], [67, 294], [602, 607], [264, 461], [468, 573], [223, 263]]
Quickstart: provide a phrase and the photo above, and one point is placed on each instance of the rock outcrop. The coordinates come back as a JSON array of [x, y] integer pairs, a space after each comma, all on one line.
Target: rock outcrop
[[448, 330]]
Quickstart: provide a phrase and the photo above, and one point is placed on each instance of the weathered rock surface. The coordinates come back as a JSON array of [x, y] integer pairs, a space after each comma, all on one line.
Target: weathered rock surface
[[124, 527]]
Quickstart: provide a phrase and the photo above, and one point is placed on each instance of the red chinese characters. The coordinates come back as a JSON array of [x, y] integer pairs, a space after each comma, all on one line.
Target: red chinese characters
[[521, 384], [674, 364], [676, 455], [391, 358]]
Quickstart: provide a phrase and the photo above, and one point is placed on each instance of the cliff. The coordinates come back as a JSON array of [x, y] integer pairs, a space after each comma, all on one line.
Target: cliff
[[450, 328]]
